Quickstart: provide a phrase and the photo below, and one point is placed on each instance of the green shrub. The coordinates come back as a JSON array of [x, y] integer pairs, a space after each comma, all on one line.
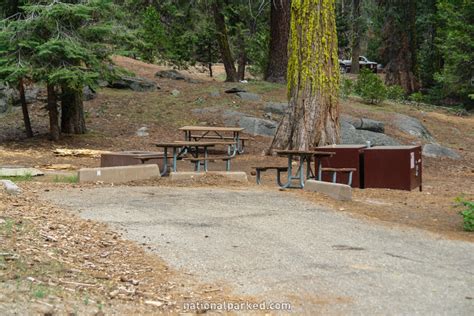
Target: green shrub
[[416, 97], [66, 179], [347, 87], [467, 213], [395, 93], [370, 87]]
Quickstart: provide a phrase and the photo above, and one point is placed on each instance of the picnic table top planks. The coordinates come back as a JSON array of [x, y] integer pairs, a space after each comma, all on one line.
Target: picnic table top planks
[[179, 144], [211, 129]]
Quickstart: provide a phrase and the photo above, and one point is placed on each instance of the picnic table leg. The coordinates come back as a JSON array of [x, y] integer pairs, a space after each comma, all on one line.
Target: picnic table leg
[[309, 171], [205, 158], [165, 162], [239, 147], [301, 172], [175, 158], [259, 180], [290, 174], [320, 172]]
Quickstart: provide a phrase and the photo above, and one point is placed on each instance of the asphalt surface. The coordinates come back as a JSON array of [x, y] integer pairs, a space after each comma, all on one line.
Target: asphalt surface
[[271, 245]]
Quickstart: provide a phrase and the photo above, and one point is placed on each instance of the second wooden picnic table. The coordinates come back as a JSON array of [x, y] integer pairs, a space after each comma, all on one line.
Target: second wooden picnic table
[[199, 133], [180, 148], [305, 157]]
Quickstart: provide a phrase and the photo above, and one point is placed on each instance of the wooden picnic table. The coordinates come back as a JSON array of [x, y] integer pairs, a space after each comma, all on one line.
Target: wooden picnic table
[[305, 156], [199, 133], [180, 148]]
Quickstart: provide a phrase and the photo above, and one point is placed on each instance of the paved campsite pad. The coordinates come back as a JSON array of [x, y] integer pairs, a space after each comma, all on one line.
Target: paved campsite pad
[[271, 245]]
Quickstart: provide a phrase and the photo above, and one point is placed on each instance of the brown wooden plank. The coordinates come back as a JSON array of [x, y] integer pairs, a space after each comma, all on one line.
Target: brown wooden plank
[[179, 144], [211, 129], [209, 158], [205, 142]]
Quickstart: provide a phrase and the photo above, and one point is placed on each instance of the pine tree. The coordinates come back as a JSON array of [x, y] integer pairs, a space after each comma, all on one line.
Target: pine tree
[[61, 45]]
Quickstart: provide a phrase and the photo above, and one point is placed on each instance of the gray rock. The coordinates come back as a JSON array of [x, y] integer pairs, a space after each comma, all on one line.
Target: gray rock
[[10, 187], [413, 127], [175, 92], [232, 118], [170, 74], [7, 97], [252, 125], [351, 135], [435, 150], [103, 83], [276, 107], [88, 94], [20, 172], [257, 126], [135, 84], [235, 90], [142, 132], [364, 123], [377, 139], [247, 96], [208, 110], [214, 94], [268, 115], [31, 94], [4, 105]]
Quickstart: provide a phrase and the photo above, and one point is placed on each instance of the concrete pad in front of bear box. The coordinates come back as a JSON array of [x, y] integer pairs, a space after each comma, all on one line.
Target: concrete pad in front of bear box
[[230, 175], [119, 174], [341, 192]]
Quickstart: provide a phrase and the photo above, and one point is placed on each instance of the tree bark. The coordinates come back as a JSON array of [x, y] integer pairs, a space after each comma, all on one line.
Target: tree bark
[[279, 32], [209, 47], [242, 61], [356, 36], [399, 49], [223, 41], [72, 112], [24, 108], [54, 131], [313, 78]]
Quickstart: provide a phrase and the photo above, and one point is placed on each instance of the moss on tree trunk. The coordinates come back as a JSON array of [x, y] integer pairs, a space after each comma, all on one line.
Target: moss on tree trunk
[[313, 78]]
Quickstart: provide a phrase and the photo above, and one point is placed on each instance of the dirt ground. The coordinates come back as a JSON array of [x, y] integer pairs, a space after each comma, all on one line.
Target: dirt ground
[[113, 119]]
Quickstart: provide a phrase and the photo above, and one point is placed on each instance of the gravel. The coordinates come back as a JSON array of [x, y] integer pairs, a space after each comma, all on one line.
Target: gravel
[[274, 246]]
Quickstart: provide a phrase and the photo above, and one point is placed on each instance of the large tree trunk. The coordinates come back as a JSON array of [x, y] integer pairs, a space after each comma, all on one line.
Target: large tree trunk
[[279, 32], [399, 49], [72, 112], [53, 112], [24, 108], [356, 36], [242, 61], [313, 78], [222, 39]]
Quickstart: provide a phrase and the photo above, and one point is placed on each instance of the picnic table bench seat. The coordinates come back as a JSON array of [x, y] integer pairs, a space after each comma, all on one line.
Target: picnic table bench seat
[[334, 172], [198, 160], [261, 169]]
